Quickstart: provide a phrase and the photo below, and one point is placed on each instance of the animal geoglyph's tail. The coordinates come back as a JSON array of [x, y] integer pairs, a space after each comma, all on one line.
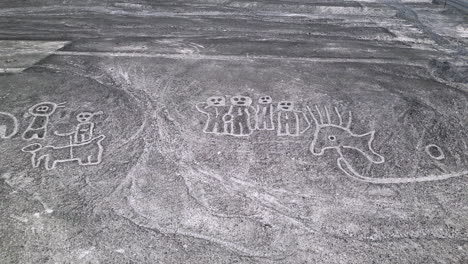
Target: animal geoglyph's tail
[[349, 170], [323, 119]]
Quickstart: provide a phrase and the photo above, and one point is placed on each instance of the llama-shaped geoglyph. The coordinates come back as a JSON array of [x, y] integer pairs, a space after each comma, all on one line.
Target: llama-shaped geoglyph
[[88, 153]]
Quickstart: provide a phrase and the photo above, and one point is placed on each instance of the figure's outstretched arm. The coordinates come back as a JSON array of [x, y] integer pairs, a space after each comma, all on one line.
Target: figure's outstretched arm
[[63, 134], [201, 107]]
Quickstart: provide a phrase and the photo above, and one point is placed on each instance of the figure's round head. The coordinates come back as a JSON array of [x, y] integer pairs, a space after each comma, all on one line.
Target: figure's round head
[[240, 100], [265, 100], [216, 101], [84, 117], [286, 106], [43, 109]]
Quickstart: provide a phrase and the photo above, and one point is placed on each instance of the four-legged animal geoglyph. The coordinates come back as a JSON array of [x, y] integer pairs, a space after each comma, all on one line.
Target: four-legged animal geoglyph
[[88, 153]]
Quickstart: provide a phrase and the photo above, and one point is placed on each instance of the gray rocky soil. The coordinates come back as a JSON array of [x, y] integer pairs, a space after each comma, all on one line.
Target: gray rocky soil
[[233, 132]]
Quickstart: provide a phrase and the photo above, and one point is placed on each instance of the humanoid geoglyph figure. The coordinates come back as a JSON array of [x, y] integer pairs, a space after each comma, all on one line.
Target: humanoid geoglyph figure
[[214, 108], [8, 125], [41, 113], [84, 131], [290, 122], [264, 116], [239, 120]]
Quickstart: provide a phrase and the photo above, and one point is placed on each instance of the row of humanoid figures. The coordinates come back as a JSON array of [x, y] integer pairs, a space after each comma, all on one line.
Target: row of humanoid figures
[[240, 118]]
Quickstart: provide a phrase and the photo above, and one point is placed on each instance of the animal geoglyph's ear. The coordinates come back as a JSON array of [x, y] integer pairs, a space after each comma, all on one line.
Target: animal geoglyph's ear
[[330, 115], [321, 115], [344, 118], [314, 117]]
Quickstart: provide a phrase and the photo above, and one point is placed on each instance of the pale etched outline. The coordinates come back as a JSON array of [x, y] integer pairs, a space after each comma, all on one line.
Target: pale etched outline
[[84, 126], [241, 110], [441, 157], [202, 106], [43, 128], [286, 128], [15, 124], [349, 170], [36, 147], [320, 125], [264, 105], [346, 167]]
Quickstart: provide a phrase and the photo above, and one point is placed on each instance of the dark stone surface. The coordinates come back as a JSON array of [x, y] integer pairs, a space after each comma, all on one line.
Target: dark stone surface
[[369, 166]]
